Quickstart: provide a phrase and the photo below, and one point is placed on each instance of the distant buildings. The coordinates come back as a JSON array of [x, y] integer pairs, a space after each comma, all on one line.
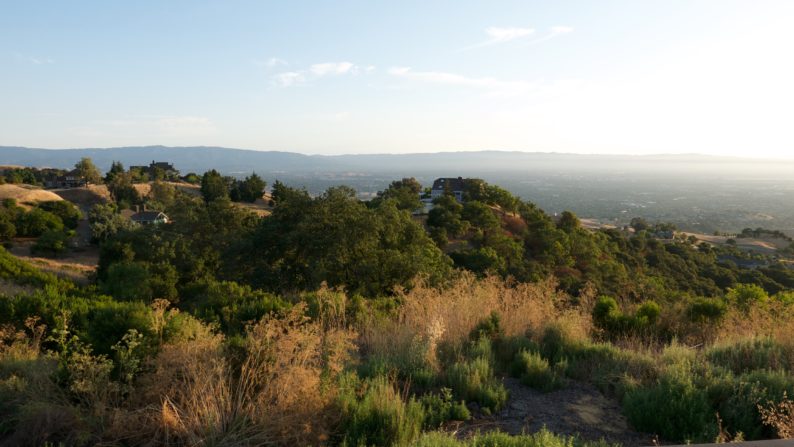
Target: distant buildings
[[71, 179], [146, 217], [454, 186]]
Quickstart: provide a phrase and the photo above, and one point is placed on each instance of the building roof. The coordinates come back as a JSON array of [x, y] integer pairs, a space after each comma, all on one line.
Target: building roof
[[147, 216], [454, 184]]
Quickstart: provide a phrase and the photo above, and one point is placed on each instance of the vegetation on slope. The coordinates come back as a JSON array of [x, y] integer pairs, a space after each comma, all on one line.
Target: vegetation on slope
[[337, 322]]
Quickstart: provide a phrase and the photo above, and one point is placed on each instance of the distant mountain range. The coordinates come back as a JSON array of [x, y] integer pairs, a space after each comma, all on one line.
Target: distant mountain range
[[239, 161]]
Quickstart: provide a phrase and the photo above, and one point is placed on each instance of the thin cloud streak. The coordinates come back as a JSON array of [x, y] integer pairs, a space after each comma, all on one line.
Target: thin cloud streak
[[438, 77], [554, 31], [501, 35], [317, 71]]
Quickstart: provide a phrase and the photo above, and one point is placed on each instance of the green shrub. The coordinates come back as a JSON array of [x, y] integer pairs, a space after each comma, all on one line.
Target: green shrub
[[674, 408], [535, 372], [753, 354], [473, 380], [506, 349], [703, 310], [736, 399], [381, 417], [746, 295], [51, 243], [439, 408], [66, 211], [488, 327], [543, 438], [36, 221]]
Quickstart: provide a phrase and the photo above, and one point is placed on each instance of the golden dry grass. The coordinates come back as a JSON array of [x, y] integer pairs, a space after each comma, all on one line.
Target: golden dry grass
[[26, 195], [432, 317], [280, 393]]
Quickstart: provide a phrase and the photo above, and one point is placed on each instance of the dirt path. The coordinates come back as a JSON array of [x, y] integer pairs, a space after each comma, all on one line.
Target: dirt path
[[578, 409]]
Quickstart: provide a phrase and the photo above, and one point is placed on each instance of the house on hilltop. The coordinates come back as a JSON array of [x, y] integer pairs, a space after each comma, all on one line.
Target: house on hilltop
[[71, 179], [454, 186], [146, 217]]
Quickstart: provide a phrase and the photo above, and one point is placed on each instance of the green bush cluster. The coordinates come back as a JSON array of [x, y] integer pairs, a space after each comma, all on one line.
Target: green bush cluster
[[608, 316], [534, 371]]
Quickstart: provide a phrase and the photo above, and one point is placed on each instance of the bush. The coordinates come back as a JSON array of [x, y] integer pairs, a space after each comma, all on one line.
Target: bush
[[381, 417], [753, 354], [66, 211], [543, 438], [702, 310], [51, 243], [37, 221], [535, 372], [674, 408], [473, 380], [487, 328], [440, 408], [737, 397]]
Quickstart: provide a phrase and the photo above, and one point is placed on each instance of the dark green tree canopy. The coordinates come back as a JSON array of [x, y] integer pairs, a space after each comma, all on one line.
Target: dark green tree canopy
[[214, 186]]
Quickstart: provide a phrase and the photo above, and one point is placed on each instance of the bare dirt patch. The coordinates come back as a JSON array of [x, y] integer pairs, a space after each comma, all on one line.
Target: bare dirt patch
[[578, 409]]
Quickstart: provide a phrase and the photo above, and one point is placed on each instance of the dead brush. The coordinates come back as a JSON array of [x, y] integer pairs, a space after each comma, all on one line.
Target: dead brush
[[779, 416], [451, 314], [280, 394]]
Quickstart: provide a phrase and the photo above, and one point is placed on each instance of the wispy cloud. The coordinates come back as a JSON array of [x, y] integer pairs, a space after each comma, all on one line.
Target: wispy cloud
[[492, 85], [270, 63], [276, 62], [553, 32], [501, 35], [317, 71], [35, 60]]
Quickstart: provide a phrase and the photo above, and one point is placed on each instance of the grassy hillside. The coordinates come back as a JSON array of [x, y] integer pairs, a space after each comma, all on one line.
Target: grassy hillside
[[331, 321]]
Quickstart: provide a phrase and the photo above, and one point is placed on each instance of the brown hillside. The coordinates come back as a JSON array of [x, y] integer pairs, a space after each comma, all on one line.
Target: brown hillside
[[26, 195]]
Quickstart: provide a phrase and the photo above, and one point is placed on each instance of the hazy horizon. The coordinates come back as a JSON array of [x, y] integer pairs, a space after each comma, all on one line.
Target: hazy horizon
[[784, 158], [615, 77]]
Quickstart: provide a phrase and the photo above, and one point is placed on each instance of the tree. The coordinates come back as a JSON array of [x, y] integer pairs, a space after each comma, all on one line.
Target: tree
[[404, 192], [162, 194], [568, 222], [67, 211], [192, 178], [106, 222], [123, 191], [213, 186], [337, 239], [51, 243], [116, 168], [88, 171], [7, 228], [639, 224], [479, 215], [248, 190], [36, 221]]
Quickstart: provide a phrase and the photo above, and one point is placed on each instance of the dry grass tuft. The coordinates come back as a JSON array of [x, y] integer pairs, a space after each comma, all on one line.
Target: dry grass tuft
[[281, 392]]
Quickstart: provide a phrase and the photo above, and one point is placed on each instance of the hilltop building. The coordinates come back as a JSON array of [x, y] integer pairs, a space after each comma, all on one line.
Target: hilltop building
[[455, 186], [71, 179], [146, 217]]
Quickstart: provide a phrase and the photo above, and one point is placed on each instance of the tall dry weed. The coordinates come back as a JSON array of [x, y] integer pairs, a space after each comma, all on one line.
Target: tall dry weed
[[280, 393], [431, 316], [772, 320]]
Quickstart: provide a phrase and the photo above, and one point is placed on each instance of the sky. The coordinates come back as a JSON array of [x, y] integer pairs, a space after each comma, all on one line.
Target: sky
[[322, 77]]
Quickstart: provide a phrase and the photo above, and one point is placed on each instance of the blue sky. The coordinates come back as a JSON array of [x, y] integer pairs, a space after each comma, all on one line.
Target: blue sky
[[325, 77]]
